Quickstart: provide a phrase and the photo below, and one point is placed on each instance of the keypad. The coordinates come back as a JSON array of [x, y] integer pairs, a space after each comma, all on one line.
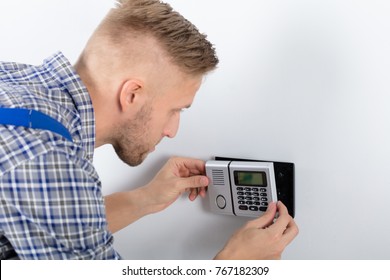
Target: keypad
[[252, 198]]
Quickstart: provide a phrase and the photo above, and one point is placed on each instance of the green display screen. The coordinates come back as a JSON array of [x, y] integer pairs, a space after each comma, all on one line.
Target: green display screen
[[250, 178]]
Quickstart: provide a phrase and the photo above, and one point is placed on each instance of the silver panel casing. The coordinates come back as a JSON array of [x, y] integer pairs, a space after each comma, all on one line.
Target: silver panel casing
[[218, 174], [239, 199]]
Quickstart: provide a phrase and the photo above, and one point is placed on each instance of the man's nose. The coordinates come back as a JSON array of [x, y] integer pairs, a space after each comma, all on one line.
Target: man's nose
[[172, 127]]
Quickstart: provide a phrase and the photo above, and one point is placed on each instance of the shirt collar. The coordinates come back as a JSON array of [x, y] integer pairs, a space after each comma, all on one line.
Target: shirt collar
[[67, 76]]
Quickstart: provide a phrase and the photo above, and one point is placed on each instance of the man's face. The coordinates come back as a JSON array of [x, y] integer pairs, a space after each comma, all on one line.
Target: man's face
[[157, 119]]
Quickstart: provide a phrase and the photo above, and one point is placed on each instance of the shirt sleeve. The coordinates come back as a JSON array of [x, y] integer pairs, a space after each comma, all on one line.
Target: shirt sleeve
[[53, 208]]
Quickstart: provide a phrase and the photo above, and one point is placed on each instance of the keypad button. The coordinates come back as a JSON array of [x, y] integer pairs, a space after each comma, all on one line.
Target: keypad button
[[241, 202], [256, 194], [255, 189], [243, 207], [264, 199], [257, 198], [241, 197], [256, 203], [264, 204], [263, 190], [240, 193], [263, 194], [263, 209], [249, 203], [253, 208], [240, 188], [221, 202]]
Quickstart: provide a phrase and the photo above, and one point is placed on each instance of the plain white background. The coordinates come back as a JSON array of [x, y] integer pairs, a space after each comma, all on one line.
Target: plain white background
[[305, 81]]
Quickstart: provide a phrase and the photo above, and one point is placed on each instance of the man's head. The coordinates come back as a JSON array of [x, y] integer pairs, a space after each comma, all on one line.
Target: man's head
[[142, 66], [181, 41]]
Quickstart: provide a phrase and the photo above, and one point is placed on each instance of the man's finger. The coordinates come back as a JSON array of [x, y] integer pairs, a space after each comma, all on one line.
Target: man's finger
[[283, 220], [189, 165], [197, 181], [193, 194], [266, 219], [290, 233]]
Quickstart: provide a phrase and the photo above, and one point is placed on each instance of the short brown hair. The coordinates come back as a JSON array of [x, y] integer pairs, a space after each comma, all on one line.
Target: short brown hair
[[181, 40]]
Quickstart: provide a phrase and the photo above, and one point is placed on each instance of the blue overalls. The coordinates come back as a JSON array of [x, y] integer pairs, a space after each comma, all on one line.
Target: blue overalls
[[32, 119]]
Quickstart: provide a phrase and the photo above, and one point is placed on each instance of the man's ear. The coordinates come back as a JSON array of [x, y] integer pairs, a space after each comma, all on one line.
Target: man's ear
[[132, 96]]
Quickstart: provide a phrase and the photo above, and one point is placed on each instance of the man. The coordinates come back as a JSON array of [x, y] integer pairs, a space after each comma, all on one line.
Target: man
[[142, 66]]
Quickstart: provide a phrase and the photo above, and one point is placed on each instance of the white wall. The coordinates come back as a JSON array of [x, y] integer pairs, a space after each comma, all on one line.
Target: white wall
[[306, 81]]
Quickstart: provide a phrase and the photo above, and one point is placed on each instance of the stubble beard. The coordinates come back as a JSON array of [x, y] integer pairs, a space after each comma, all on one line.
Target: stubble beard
[[132, 140]]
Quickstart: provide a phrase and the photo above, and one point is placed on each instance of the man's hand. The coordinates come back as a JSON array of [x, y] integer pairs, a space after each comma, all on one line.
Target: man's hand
[[262, 238], [177, 176]]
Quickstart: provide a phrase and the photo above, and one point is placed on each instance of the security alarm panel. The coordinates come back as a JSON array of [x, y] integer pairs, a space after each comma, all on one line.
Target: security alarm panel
[[246, 187]]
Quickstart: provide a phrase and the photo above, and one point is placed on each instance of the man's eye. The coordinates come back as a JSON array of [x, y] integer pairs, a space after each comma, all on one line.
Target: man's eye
[[179, 111]]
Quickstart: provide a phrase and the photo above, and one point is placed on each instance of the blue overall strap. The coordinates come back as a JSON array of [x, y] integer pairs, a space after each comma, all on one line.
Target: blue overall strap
[[32, 119]]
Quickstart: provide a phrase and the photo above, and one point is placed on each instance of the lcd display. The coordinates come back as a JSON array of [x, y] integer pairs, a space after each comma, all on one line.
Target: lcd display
[[250, 178]]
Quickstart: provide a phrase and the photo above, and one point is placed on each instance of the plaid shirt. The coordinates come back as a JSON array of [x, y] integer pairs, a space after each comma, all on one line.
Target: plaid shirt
[[51, 201]]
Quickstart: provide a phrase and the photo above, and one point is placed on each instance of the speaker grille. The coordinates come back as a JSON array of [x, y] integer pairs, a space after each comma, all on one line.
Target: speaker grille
[[218, 177]]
